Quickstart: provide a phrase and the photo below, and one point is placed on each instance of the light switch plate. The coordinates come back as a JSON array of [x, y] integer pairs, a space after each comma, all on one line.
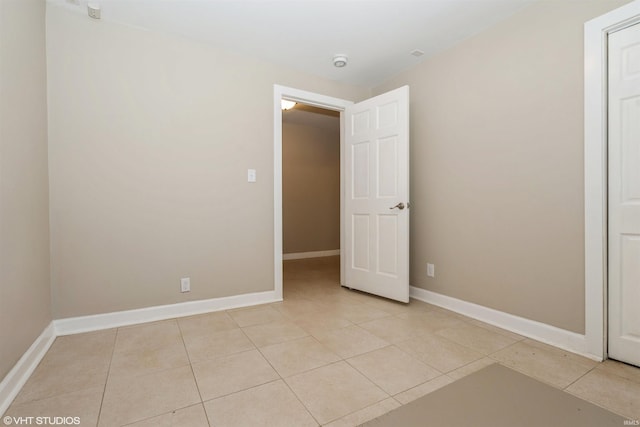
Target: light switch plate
[[431, 270], [251, 175], [185, 284]]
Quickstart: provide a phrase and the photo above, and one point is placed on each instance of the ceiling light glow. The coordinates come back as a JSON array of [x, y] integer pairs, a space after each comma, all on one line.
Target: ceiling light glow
[[287, 105]]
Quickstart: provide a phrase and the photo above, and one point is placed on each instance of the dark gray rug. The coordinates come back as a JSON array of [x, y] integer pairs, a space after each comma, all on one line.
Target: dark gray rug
[[497, 396]]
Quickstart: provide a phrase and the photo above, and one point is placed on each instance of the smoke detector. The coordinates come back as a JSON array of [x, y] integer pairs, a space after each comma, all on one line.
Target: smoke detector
[[94, 10], [340, 60]]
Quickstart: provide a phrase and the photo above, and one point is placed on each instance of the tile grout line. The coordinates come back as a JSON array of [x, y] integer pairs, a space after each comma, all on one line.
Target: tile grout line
[[104, 389], [255, 348], [195, 380], [599, 404], [579, 378], [161, 371], [287, 384], [416, 358], [593, 401], [342, 359], [159, 415], [310, 370]]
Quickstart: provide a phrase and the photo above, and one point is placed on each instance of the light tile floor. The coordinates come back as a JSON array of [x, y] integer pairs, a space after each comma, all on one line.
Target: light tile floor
[[323, 356]]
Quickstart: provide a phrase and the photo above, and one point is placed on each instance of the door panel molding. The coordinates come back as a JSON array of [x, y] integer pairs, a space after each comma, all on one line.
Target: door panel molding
[[376, 242], [596, 32], [623, 195]]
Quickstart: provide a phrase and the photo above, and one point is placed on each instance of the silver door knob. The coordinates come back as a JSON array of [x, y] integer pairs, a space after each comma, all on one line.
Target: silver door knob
[[399, 206]]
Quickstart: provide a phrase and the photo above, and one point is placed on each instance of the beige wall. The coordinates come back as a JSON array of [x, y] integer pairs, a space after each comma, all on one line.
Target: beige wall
[[310, 187], [151, 135], [25, 297], [497, 165], [150, 140]]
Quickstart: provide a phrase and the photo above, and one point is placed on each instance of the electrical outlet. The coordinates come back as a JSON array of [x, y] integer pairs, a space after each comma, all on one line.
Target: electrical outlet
[[185, 284], [431, 270]]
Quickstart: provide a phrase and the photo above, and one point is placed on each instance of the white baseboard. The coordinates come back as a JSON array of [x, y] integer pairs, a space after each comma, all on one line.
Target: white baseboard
[[567, 340], [75, 325], [18, 376], [316, 254]]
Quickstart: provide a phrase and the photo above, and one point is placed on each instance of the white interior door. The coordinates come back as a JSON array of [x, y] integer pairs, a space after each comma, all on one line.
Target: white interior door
[[624, 195], [377, 195]]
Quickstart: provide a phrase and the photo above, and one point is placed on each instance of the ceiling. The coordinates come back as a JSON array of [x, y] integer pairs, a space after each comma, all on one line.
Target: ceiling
[[377, 35]]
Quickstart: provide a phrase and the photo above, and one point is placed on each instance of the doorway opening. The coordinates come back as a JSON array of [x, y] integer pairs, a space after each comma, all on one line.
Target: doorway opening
[[374, 168], [310, 198], [309, 99]]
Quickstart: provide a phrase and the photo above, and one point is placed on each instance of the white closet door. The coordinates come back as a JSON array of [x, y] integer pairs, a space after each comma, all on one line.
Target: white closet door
[[624, 195]]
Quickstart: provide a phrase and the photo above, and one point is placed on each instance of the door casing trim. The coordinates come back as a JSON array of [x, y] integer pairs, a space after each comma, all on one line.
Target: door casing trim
[[316, 100]]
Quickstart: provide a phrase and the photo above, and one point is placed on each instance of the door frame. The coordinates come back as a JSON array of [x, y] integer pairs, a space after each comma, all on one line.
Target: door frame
[[316, 100], [596, 34]]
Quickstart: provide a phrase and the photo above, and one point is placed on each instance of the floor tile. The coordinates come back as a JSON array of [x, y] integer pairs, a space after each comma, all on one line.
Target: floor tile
[[392, 369], [144, 361], [430, 321], [255, 315], [206, 324], [271, 404], [213, 345], [83, 404], [333, 391], [91, 345], [297, 308], [442, 354], [274, 333], [621, 369], [423, 389], [192, 416], [497, 330], [148, 348], [350, 341], [293, 357], [470, 368], [148, 336], [387, 305], [367, 414], [613, 392], [391, 329], [548, 364], [229, 374], [417, 305], [74, 362], [358, 313], [134, 399], [314, 322], [346, 295], [477, 338], [448, 312]]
